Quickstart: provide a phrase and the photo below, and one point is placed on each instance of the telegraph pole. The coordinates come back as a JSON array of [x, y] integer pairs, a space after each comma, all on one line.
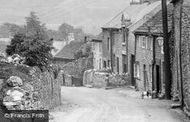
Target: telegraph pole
[[166, 51]]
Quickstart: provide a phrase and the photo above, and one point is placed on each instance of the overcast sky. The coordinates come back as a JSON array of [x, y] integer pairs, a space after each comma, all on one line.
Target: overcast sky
[[89, 14]]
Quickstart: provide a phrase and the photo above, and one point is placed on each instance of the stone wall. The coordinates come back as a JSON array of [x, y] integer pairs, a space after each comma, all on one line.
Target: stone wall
[[185, 57], [98, 79], [46, 84], [73, 71]]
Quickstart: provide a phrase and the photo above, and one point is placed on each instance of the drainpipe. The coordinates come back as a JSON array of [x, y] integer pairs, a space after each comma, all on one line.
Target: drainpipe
[[153, 63], [127, 50], [135, 53], [111, 49], [180, 55], [166, 51]]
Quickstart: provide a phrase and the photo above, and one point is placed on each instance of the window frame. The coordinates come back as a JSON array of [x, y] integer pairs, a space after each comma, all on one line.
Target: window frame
[[150, 43], [144, 42], [137, 70], [124, 63]]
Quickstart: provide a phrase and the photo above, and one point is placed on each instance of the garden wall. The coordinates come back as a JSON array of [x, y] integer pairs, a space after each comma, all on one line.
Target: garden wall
[[46, 84], [98, 79], [73, 71]]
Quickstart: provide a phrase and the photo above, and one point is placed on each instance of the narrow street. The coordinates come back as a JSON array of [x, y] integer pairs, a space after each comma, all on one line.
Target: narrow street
[[116, 105]]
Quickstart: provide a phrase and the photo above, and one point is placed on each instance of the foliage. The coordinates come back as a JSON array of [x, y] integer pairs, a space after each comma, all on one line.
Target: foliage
[[8, 29], [84, 51], [16, 46], [78, 54], [65, 29], [34, 44]]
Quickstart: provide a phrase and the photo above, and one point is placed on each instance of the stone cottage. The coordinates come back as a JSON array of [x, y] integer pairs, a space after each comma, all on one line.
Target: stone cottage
[[66, 54], [149, 53], [118, 40]]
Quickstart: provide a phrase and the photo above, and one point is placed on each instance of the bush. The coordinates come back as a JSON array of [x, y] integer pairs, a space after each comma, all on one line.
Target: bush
[[33, 44]]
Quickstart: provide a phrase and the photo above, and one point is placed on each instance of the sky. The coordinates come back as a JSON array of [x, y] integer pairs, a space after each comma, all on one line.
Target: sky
[[90, 15]]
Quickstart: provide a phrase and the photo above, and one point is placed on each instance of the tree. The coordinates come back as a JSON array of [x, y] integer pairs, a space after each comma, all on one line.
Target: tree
[[64, 30], [33, 44], [79, 34], [16, 46]]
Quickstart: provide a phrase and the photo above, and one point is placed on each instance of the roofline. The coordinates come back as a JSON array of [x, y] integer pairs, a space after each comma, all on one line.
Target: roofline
[[146, 33], [111, 28], [62, 58], [96, 40]]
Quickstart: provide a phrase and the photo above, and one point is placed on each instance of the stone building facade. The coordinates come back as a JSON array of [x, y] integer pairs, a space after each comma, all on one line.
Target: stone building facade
[[97, 53], [181, 36], [149, 54], [118, 40], [144, 58]]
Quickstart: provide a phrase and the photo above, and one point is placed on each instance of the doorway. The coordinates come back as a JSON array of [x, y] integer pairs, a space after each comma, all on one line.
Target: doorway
[[145, 77], [158, 79], [118, 65], [132, 70]]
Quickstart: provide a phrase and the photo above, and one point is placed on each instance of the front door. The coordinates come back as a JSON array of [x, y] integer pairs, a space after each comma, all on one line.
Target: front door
[[118, 65], [145, 77], [158, 79], [132, 70]]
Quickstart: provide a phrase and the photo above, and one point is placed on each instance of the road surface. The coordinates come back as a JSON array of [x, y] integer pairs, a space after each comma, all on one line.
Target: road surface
[[116, 105]]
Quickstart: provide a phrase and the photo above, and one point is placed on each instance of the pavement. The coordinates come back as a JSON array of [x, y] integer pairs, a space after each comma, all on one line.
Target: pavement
[[81, 104]]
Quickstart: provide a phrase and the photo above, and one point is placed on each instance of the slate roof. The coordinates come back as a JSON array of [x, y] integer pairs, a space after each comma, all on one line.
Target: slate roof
[[135, 13], [58, 45], [68, 51], [155, 23]]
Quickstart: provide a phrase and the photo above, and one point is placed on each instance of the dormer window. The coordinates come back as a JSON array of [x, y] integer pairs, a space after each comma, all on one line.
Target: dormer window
[[138, 1], [135, 1], [125, 19]]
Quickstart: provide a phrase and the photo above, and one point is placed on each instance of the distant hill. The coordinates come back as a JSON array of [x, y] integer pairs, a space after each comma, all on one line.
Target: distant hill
[[8, 29], [91, 15]]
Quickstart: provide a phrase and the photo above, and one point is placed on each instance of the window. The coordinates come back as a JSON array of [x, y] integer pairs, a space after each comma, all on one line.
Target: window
[[135, 1], [100, 47], [149, 43], [100, 64], [104, 64], [93, 45], [109, 63], [124, 36], [124, 61], [137, 39], [137, 70], [144, 41]]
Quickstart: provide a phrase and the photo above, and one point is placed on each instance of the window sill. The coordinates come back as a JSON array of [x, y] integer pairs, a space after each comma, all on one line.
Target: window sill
[[137, 78], [123, 43]]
